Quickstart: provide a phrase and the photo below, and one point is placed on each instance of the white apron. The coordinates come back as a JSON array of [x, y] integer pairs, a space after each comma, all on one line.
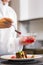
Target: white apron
[[8, 43]]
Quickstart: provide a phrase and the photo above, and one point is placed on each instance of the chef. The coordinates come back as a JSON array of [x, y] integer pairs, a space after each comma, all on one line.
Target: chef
[[8, 41]]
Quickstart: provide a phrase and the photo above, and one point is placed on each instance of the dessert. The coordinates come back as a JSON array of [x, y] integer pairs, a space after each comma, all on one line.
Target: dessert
[[21, 54]]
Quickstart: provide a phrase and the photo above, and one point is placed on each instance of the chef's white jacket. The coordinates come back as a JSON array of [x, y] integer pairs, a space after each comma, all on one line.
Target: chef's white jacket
[[8, 41]]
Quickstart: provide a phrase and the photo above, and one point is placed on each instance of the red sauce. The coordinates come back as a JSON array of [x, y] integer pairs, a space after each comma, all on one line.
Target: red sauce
[[13, 56], [29, 40]]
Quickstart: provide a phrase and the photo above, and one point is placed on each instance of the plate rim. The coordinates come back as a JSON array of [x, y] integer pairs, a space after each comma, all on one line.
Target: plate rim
[[2, 57]]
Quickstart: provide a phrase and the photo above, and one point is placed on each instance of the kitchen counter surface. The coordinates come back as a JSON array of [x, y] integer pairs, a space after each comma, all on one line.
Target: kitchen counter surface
[[33, 62], [34, 51]]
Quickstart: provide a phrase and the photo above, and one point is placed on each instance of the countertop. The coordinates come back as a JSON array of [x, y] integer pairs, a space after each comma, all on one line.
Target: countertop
[[38, 61], [34, 51]]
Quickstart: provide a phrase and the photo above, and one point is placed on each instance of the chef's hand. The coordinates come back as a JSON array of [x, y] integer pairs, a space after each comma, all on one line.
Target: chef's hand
[[5, 22], [27, 40]]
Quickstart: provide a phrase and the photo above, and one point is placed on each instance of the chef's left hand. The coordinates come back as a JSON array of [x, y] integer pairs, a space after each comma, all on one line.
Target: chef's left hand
[[27, 40]]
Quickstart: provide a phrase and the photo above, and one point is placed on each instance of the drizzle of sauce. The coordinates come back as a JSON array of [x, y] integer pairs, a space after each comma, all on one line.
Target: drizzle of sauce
[[13, 56]]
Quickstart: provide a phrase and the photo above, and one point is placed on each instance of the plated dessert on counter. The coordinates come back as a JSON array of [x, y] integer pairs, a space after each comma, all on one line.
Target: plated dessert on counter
[[21, 56]]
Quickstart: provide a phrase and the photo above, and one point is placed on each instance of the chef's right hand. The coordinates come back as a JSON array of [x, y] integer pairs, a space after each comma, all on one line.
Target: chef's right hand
[[5, 23]]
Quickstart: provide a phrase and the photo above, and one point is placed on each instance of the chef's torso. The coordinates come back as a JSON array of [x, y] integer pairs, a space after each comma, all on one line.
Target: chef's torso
[[7, 33]]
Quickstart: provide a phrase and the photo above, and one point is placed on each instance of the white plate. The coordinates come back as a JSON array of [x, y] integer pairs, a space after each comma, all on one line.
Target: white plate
[[8, 57]]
